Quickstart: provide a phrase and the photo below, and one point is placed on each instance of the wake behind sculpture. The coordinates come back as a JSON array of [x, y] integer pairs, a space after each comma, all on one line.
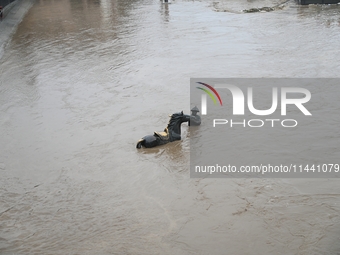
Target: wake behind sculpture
[[172, 132]]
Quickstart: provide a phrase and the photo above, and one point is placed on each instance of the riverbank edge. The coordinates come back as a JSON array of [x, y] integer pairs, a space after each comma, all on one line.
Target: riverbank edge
[[13, 14], [8, 8]]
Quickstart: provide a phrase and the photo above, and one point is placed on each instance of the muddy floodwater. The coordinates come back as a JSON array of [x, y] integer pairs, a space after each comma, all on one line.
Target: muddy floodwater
[[82, 80]]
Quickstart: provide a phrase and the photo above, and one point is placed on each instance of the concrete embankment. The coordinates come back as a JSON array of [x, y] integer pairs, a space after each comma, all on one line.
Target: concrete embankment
[[13, 14]]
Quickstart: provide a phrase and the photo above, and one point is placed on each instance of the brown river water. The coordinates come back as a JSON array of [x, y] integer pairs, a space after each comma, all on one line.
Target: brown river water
[[82, 80]]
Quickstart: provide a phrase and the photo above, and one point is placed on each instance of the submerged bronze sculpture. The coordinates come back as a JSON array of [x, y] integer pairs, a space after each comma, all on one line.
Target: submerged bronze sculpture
[[172, 132], [195, 120]]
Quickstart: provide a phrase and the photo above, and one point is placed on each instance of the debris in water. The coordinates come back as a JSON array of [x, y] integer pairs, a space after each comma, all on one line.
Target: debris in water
[[262, 9]]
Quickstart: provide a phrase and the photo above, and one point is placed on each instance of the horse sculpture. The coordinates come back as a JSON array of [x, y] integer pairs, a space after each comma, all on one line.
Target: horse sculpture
[[171, 133]]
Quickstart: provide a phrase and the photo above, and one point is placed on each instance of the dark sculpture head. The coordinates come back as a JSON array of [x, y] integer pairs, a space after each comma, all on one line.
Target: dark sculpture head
[[176, 120]]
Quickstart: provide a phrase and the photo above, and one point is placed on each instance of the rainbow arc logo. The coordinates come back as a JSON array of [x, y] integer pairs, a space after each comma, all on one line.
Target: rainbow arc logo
[[211, 95]]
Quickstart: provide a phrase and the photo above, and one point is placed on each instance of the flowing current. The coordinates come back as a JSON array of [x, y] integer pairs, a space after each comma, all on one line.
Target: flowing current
[[81, 81]]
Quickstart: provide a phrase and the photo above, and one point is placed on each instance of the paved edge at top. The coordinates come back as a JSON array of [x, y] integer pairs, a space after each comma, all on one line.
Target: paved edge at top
[[13, 15]]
